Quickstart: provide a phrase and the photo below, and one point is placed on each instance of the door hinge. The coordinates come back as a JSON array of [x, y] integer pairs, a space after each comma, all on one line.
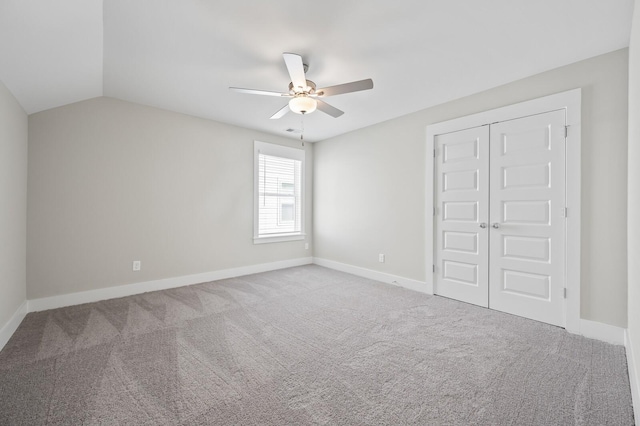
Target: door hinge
[[434, 153], [433, 268], [566, 132], [565, 212], [434, 211], [565, 292]]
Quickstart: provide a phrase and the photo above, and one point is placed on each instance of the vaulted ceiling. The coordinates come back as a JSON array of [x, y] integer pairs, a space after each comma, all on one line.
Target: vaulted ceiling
[[182, 55]]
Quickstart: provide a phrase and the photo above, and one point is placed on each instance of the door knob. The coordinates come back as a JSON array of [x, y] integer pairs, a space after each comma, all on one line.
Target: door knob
[[483, 225], [495, 225]]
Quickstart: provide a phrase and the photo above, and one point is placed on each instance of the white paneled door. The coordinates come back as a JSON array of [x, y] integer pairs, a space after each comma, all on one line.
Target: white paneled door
[[462, 214], [500, 220], [527, 242]]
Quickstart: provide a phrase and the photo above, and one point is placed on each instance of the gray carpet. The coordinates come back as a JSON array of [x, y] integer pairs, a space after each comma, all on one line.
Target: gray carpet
[[299, 346]]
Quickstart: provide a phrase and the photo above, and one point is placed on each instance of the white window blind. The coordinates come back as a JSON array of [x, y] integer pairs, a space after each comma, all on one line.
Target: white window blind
[[279, 191]]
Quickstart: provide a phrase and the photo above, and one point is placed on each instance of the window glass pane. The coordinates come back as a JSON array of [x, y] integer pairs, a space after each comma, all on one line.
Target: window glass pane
[[287, 212], [279, 195], [286, 187]]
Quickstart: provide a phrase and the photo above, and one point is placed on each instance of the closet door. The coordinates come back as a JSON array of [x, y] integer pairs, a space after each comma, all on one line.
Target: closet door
[[527, 234], [461, 216]]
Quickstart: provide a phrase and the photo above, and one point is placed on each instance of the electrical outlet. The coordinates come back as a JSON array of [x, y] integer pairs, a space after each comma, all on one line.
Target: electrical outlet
[[381, 258], [137, 265]]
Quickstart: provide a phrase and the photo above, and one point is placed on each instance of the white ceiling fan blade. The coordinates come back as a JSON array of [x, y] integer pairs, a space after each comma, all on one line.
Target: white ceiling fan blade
[[354, 86], [296, 69], [259, 92], [281, 112], [328, 109]]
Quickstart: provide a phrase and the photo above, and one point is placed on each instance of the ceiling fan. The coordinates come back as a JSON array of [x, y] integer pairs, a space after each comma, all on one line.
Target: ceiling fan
[[304, 97]]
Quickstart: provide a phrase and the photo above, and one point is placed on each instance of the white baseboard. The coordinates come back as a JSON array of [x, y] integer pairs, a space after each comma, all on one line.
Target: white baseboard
[[12, 325], [633, 378], [409, 283], [600, 331], [590, 329], [90, 296]]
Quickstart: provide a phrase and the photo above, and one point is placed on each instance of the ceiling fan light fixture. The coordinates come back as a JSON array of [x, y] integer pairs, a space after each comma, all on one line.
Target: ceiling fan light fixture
[[303, 105]]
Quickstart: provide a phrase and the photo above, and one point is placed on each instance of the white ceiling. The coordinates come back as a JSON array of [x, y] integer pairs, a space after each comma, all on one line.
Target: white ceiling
[[182, 55]]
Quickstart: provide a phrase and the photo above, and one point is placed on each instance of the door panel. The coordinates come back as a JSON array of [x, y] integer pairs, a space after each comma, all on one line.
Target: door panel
[[526, 248], [536, 176], [527, 198], [462, 204], [460, 211], [466, 242], [525, 212], [526, 284], [464, 180]]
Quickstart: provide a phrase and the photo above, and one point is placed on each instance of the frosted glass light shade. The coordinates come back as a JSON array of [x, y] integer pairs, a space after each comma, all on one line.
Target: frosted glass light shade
[[302, 105]]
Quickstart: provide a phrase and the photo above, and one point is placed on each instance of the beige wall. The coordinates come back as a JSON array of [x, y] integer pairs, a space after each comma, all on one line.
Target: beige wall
[[369, 185], [13, 201], [111, 182], [634, 189]]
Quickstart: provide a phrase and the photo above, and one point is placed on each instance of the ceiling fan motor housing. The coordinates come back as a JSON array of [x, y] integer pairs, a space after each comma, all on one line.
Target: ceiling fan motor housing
[[309, 90]]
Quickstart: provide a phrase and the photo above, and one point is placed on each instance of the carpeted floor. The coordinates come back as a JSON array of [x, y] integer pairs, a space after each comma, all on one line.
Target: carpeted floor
[[305, 345]]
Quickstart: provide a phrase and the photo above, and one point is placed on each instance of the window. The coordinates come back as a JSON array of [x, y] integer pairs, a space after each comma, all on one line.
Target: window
[[278, 193]]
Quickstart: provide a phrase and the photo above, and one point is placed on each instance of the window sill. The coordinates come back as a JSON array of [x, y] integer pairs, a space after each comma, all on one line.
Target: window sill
[[278, 238]]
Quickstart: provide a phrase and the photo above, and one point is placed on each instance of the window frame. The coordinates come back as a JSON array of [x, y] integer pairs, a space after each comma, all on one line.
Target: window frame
[[281, 151]]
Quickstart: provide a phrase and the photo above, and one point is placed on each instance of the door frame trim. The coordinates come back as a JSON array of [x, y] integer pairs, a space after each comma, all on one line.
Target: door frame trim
[[570, 102]]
